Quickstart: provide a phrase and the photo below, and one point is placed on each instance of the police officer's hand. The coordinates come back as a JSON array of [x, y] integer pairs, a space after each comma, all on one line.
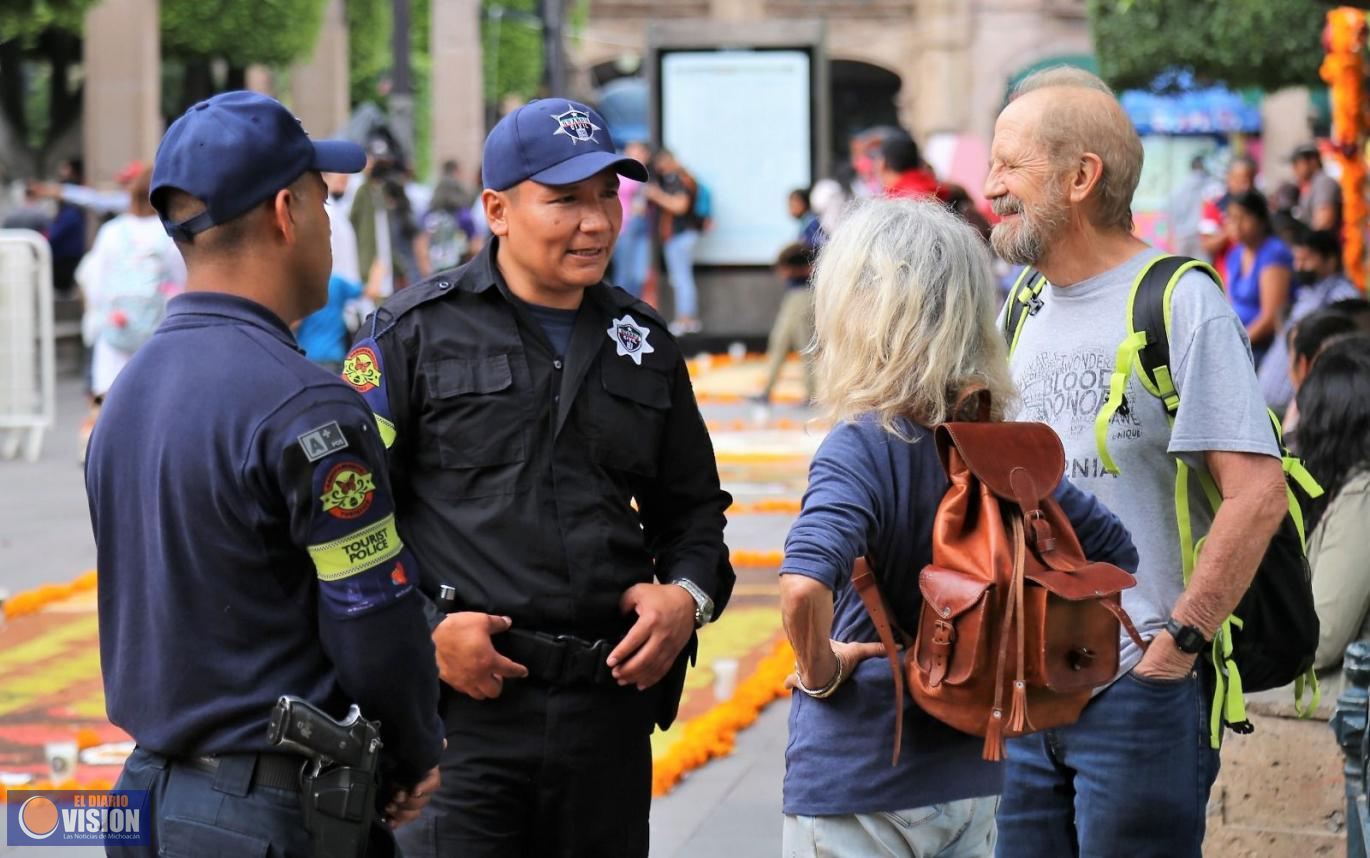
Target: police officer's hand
[[467, 660], [406, 805], [665, 621]]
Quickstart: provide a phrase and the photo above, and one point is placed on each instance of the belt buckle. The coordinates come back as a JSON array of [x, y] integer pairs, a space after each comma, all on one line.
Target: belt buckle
[[600, 649], [585, 658]]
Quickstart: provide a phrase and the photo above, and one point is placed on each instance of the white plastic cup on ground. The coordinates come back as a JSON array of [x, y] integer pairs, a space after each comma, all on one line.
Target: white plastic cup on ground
[[725, 678], [62, 758]]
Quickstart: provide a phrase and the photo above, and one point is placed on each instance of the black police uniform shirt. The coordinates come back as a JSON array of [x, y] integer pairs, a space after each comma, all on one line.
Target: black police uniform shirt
[[541, 485], [247, 545]]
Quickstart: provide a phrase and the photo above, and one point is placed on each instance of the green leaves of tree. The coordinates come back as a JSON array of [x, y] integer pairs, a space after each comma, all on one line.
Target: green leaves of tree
[[1261, 43]]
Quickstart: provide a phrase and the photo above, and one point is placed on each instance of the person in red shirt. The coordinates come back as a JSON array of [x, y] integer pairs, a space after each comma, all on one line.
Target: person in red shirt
[[904, 174], [1213, 233]]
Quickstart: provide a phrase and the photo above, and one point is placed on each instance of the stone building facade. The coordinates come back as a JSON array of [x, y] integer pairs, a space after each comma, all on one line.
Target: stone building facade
[[952, 60]]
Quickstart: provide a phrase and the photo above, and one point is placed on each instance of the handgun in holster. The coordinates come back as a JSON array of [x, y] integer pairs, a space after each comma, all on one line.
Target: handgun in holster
[[339, 781]]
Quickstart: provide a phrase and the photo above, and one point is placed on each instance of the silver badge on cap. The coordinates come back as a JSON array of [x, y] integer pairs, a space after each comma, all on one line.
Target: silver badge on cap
[[630, 339], [575, 123]]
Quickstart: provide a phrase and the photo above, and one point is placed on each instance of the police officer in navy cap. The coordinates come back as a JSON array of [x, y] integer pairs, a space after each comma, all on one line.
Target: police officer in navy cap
[[555, 480], [242, 511]]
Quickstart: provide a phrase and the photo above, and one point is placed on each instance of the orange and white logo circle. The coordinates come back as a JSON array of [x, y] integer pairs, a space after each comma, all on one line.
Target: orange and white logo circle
[[38, 817]]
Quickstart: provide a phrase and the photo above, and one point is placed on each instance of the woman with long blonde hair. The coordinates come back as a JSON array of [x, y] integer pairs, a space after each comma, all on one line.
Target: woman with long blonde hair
[[905, 326]]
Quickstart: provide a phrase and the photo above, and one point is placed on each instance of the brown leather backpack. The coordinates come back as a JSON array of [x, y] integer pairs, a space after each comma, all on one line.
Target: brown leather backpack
[[1012, 611]]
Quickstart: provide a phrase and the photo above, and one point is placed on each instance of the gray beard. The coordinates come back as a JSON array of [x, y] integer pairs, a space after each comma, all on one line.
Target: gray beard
[[1020, 244]]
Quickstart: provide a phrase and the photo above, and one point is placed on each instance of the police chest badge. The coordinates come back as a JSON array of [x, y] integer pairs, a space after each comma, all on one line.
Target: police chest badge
[[630, 338], [575, 124]]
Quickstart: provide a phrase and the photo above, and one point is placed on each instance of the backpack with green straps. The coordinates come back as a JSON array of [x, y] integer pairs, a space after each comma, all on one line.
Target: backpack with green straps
[[1270, 639]]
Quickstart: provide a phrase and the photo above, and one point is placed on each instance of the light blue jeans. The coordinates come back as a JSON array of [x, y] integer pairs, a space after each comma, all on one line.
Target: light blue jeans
[[633, 256], [956, 829], [680, 268]]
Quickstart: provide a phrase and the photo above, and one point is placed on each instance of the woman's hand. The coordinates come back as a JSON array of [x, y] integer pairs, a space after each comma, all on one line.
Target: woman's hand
[[848, 654]]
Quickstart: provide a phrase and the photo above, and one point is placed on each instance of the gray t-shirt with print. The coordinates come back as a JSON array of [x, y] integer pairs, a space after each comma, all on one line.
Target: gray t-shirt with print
[[1062, 366]]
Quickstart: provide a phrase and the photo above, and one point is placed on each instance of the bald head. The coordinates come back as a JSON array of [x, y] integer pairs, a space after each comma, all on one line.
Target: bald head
[[1071, 112]]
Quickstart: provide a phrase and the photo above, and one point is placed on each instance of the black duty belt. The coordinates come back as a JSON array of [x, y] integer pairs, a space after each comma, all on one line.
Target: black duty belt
[[281, 771], [558, 659]]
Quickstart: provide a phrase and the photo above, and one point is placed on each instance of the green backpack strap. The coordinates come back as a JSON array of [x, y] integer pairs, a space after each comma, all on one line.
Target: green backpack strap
[[1024, 300], [1146, 348]]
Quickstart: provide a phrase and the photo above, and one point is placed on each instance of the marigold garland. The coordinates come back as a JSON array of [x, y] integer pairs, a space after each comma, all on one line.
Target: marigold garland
[[747, 559], [766, 506], [714, 733], [33, 601], [1343, 69]]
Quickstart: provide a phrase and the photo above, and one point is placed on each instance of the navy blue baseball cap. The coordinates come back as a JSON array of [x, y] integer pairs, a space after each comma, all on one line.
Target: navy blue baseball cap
[[552, 141], [235, 151]]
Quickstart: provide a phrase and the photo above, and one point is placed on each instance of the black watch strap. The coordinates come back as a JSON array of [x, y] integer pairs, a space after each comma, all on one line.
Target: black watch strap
[[1188, 638]]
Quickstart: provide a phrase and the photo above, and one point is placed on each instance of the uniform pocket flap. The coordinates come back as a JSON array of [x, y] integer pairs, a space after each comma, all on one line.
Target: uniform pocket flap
[[641, 385], [1091, 581], [461, 376], [950, 593]]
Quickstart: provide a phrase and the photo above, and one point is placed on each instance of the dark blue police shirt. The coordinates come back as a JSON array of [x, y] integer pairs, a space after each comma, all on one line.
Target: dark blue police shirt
[[247, 545]]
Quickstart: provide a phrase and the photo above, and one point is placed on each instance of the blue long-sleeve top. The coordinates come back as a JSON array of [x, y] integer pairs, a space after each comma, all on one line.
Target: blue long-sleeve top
[[873, 494]]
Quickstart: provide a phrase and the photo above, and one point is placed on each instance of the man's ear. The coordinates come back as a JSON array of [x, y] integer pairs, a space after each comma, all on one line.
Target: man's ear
[[1088, 171], [496, 205], [283, 214]]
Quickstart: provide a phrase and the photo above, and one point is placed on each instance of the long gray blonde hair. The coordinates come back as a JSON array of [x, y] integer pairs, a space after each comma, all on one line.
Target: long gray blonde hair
[[904, 303]]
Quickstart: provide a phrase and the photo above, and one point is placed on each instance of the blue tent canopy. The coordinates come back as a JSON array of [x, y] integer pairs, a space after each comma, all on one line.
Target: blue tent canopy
[[1188, 108]]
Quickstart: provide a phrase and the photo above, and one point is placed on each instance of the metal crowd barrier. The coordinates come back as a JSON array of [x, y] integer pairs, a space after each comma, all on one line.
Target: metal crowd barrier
[[28, 374], [1349, 723]]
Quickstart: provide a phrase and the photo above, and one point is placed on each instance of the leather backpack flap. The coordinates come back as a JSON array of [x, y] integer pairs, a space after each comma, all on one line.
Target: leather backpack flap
[[953, 629], [993, 451]]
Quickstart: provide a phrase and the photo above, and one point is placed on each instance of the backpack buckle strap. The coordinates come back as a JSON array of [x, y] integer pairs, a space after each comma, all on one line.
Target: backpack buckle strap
[[943, 636], [1040, 533]]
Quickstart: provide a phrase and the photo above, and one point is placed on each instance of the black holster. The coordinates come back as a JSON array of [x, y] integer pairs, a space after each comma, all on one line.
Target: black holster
[[339, 805]]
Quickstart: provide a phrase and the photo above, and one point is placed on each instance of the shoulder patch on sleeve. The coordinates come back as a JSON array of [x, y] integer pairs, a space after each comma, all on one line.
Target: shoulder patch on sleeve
[[364, 371], [362, 368], [348, 490], [322, 440]]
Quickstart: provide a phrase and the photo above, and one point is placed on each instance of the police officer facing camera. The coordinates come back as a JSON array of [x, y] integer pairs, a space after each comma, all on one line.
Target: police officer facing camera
[[242, 510], [552, 469]]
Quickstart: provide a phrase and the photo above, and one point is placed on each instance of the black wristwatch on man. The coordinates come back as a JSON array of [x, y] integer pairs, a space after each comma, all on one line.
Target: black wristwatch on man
[[1187, 638]]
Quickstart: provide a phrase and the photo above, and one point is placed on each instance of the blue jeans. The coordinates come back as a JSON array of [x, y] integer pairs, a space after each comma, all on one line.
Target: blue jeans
[[1131, 777], [633, 256], [680, 267]]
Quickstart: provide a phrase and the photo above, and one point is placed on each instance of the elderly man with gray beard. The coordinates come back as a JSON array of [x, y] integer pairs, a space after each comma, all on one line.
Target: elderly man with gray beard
[[1132, 776]]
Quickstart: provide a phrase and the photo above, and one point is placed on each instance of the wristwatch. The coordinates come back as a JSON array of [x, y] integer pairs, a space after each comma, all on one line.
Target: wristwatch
[[1188, 638], [704, 606]]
